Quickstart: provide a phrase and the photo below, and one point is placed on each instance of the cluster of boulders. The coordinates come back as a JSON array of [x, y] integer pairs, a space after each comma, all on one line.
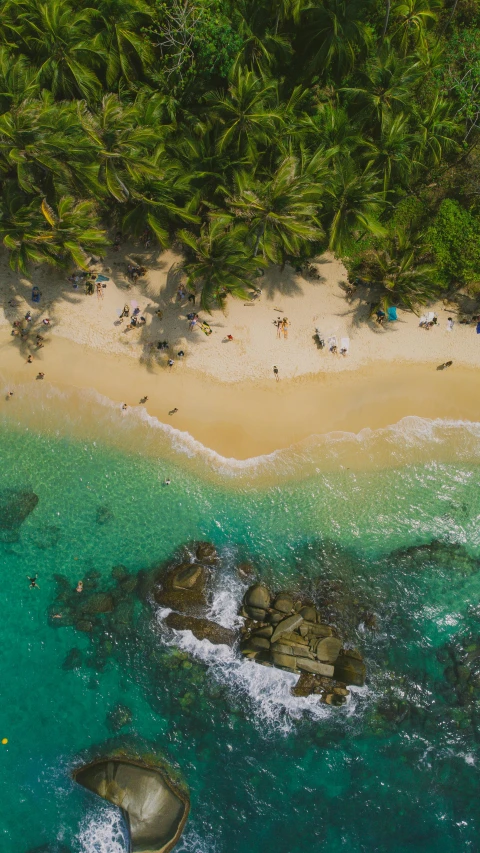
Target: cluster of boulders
[[285, 632], [185, 589]]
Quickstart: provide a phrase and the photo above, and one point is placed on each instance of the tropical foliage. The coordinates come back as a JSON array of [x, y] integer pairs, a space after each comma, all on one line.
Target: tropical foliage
[[247, 131]]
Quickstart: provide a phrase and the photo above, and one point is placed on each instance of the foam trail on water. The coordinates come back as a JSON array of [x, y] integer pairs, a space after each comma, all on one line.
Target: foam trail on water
[[267, 688], [191, 842], [103, 833]]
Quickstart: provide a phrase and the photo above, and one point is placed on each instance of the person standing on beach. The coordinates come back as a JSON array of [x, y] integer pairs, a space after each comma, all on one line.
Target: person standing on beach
[[285, 325], [278, 324], [275, 372]]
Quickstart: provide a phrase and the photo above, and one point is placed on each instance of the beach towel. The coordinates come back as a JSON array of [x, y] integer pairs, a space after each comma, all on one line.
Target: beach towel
[[102, 278], [392, 314], [345, 345], [478, 328], [332, 341]]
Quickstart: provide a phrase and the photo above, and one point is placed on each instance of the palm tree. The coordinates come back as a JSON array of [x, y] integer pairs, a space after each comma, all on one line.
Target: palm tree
[[437, 132], [156, 203], [220, 261], [123, 143], [43, 146], [33, 232], [356, 202], [128, 51], [386, 85], [59, 42], [244, 115], [281, 212], [335, 33], [392, 155], [413, 18], [398, 268], [17, 80]]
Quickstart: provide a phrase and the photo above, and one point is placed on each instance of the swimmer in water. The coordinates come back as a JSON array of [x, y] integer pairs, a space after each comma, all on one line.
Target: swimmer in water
[[33, 582], [79, 587], [167, 481]]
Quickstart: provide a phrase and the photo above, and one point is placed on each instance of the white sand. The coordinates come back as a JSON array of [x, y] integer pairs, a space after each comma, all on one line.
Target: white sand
[[255, 347]]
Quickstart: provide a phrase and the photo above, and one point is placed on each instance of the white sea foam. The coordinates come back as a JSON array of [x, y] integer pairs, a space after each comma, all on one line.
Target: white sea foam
[[192, 842], [105, 832], [400, 438]]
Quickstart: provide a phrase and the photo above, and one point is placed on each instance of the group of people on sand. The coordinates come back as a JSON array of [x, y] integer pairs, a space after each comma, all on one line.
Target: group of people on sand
[[282, 325]]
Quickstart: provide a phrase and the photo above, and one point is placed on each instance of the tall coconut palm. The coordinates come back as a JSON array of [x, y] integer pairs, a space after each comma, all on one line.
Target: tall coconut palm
[[386, 85], [392, 154], [219, 260], [437, 132], [405, 278], [245, 115], [335, 33], [123, 144], [281, 212], [42, 145], [59, 42], [34, 232], [160, 202], [17, 80], [356, 201], [120, 25], [412, 19]]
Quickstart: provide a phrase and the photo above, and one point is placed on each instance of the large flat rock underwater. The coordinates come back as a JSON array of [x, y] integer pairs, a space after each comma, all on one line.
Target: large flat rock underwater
[[154, 807]]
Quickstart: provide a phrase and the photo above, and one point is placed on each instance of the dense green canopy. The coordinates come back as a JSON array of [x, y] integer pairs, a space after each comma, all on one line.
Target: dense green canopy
[[249, 131]]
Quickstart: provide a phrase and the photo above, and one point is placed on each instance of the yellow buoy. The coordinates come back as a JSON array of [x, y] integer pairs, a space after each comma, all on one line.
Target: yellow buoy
[[4, 740]]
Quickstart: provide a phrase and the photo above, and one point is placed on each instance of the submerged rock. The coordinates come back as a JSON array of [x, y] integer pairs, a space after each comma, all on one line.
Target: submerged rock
[[119, 717], [104, 515], [15, 506], [154, 807], [350, 668], [47, 537], [73, 659], [206, 553], [202, 629], [183, 588]]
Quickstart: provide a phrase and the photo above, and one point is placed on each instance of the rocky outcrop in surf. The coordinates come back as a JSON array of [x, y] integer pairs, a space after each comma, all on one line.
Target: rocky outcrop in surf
[[154, 807], [284, 631]]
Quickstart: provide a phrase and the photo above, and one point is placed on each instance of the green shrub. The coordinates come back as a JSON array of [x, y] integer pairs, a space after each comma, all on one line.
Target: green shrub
[[454, 241]]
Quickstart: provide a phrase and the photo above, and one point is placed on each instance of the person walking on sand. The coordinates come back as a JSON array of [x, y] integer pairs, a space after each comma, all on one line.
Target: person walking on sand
[[144, 399], [278, 324], [285, 325], [275, 372]]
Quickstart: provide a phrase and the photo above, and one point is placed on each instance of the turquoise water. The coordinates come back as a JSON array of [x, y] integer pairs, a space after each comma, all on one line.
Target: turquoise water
[[394, 770]]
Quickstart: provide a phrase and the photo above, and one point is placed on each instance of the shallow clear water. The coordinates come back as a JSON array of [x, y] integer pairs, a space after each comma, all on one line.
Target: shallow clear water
[[266, 772]]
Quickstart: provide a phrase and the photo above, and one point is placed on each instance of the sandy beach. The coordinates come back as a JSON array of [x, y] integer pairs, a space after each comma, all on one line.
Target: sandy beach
[[225, 390]]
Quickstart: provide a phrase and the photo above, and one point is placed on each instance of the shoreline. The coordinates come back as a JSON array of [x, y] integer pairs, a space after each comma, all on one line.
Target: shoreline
[[251, 418]]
